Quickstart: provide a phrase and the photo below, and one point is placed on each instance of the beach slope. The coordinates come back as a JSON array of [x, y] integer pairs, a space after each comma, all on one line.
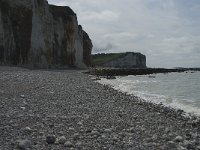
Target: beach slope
[[66, 109]]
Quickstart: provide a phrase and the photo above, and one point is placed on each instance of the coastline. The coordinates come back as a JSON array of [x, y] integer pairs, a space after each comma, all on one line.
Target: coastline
[[138, 86], [90, 115]]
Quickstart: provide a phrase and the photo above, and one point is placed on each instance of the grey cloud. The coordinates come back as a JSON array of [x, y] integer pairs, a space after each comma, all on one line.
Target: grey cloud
[[167, 32], [103, 48]]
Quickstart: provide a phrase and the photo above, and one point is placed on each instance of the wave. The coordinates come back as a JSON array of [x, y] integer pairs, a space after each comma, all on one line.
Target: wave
[[133, 86]]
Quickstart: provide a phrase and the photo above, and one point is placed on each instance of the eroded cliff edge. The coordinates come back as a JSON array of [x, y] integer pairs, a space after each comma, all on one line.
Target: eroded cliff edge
[[32, 32]]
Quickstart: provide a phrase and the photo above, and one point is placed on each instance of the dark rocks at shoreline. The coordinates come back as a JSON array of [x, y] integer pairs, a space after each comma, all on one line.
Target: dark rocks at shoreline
[[81, 114], [109, 72]]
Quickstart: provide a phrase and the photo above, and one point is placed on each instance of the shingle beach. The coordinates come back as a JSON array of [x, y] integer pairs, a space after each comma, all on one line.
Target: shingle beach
[[67, 109]]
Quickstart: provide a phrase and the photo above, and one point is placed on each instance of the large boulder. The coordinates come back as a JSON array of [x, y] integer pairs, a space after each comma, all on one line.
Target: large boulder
[[34, 33]]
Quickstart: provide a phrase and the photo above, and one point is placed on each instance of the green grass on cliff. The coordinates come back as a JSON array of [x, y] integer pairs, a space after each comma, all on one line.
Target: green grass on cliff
[[99, 59]]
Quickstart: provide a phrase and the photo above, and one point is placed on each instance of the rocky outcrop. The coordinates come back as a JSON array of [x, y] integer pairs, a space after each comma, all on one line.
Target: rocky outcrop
[[32, 32]]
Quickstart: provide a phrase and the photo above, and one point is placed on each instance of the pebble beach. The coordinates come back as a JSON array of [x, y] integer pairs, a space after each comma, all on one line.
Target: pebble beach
[[67, 109]]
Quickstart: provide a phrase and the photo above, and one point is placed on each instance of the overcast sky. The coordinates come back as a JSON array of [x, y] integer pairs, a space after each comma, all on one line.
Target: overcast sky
[[166, 31]]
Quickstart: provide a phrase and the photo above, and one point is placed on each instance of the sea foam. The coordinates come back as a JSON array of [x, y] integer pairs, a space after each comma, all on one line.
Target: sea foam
[[177, 90]]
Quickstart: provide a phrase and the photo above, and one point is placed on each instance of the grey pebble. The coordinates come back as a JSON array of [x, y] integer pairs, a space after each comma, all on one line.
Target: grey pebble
[[68, 144], [171, 145], [79, 144], [103, 136], [41, 133], [95, 132], [27, 130], [154, 137], [71, 129], [189, 144], [62, 140], [24, 144], [76, 136], [22, 96], [115, 138], [132, 130], [80, 123], [50, 139], [88, 120], [108, 130], [178, 139], [167, 130]]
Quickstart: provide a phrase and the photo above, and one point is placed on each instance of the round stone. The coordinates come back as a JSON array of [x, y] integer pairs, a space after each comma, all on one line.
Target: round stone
[[171, 145], [154, 137], [178, 139], [80, 123], [198, 147], [22, 96], [76, 136], [71, 129], [24, 144], [62, 140], [79, 144], [41, 133], [68, 144], [27, 130], [94, 132], [132, 130], [103, 136], [108, 130], [50, 139], [115, 138], [167, 130]]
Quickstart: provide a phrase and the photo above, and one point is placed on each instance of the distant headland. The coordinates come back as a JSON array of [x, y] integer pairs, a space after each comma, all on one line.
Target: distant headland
[[119, 60]]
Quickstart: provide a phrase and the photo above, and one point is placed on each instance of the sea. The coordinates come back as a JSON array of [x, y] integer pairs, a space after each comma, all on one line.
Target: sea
[[176, 90]]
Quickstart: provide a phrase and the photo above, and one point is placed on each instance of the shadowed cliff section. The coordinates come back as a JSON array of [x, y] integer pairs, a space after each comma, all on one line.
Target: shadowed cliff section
[[37, 34], [15, 37], [64, 16], [87, 49]]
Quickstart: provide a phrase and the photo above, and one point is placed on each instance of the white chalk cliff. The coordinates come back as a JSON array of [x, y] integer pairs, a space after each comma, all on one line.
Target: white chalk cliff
[[35, 33]]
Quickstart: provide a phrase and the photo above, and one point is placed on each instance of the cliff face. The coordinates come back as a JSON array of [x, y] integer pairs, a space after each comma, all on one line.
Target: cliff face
[[35, 33], [87, 49]]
